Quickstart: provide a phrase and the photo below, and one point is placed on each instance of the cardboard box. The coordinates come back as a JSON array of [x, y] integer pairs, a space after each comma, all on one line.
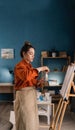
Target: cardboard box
[[44, 53], [62, 54]]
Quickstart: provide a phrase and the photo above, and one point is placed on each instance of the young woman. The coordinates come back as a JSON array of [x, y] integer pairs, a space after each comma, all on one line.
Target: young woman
[[26, 112]]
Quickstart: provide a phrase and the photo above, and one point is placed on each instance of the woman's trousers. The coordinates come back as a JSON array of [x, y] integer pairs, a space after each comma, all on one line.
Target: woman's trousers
[[26, 111]]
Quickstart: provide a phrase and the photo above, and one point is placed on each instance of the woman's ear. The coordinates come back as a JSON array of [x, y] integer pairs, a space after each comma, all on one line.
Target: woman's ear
[[23, 53]]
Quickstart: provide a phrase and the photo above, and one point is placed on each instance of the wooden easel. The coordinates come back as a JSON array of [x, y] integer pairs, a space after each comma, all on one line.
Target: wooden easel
[[64, 100]]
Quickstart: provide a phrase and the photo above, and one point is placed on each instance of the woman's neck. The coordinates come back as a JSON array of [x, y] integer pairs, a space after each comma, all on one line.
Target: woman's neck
[[26, 60]]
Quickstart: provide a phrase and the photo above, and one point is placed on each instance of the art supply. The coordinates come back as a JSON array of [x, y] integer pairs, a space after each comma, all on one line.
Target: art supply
[[46, 76]]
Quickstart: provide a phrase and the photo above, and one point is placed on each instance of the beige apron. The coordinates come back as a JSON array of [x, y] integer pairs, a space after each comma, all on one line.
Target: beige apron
[[26, 111]]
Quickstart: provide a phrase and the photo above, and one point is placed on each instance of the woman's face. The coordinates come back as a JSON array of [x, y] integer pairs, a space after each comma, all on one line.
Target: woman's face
[[29, 56]]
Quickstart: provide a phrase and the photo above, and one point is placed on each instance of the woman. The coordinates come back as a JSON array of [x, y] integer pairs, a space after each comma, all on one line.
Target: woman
[[26, 113]]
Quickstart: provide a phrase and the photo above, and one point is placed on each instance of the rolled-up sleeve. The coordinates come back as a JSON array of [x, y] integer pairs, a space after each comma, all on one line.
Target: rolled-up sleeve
[[25, 76]]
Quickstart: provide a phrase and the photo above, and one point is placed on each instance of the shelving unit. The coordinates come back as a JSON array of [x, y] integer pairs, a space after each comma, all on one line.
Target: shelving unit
[[68, 58], [58, 66], [44, 109]]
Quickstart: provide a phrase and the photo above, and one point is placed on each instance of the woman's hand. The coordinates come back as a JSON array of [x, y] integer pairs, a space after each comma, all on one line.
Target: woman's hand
[[40, 82], [43, 68]]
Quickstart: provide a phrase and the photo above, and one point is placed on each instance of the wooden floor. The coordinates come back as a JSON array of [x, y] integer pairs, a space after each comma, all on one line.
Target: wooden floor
[[68, 122], [5, 109]]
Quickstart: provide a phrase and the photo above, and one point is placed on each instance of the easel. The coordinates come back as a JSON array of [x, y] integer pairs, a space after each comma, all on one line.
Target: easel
[[64, 100]]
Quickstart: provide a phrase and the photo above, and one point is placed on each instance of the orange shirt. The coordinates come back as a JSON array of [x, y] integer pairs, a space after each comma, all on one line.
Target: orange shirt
[[25, 75]]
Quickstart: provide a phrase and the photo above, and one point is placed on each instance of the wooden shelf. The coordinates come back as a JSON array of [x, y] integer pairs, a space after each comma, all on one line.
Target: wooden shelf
[[55, 57], [52, 85]]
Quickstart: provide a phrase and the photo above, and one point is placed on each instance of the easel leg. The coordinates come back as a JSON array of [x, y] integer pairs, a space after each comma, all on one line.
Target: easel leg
[[53, 123], [62, 113]]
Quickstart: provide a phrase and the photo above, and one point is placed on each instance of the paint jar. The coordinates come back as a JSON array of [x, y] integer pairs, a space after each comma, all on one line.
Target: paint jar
[[53, 54]]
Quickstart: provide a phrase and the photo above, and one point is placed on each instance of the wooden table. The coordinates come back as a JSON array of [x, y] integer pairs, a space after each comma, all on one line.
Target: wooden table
[[6, 88]]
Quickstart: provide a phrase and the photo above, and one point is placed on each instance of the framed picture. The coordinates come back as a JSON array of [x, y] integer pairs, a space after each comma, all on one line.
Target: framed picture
[[7, 53]]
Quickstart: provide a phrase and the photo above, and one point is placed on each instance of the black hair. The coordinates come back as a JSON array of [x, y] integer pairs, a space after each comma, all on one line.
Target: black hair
[[27, 45]]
